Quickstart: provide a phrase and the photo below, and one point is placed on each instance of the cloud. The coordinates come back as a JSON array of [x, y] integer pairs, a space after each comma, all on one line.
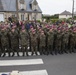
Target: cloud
[[55, 6]]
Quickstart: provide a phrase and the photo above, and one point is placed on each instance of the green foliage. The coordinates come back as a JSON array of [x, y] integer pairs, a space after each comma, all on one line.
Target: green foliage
[[53, 18], [38, 21]]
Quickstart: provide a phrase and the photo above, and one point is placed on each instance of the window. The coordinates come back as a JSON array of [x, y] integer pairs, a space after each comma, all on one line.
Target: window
[[22, 17], [14, 15], [35, 4], [22, 3], [21, 6]]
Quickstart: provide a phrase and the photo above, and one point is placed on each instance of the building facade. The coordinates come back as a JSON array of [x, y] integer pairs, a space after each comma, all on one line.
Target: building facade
[[65, 15], [22, 9]]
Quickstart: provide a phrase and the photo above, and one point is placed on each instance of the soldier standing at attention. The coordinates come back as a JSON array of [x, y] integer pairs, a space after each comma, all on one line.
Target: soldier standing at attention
[[4, 41], [58, 41], [24, 38], [42, 43], [74, 30], [50, 41], [55, 38], [14, 38], [65, 40], [34, 43], [71, 39], [0, 47]]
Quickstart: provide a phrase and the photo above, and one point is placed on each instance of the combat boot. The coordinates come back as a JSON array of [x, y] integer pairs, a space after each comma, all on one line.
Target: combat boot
[[13, 54], [36, 53], [9, 54], [27, 54], [0, 54], [3, 55], [32, 54]]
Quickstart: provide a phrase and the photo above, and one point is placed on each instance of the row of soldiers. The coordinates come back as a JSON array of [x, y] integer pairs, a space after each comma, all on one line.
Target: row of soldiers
[[50, 39]]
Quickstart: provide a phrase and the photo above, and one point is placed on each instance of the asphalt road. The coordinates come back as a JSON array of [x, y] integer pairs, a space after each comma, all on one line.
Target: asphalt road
[[55, 65]]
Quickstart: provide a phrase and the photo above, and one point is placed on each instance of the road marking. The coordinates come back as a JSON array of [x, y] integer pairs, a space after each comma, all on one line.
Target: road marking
[[36, 72], [21, 62], [20, 53]]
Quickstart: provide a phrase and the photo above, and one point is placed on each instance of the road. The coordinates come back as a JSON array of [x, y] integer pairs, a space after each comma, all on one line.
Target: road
[[54, 65]]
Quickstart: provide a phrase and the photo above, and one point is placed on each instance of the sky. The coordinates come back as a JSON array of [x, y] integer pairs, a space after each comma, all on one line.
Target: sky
[[52, 7]]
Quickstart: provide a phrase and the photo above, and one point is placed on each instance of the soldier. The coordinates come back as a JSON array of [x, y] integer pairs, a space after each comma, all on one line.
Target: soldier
[[58, 41], [34, 44], [38, 33], [24, 41], [14, 41], [50, 41], [42, 43], [71, 41], [62, 43], [55, 43], [65, 40], [0, 47], [74, 40], [4, 41]]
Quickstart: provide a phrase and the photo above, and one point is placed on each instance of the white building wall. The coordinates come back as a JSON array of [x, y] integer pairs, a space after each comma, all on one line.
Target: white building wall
[[31, 16], [65, 16], [1, 17], [38, 16]]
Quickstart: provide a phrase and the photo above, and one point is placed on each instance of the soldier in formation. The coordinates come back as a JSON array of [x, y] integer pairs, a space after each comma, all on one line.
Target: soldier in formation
[[24, 41], [45, 39]]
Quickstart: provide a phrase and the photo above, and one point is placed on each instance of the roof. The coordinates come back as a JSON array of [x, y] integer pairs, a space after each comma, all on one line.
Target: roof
[[34, 1], [66, 13], [1, 7], [10, 5]]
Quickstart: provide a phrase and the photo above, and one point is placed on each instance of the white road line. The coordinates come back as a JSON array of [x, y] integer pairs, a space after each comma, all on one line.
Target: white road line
[[36, 72], [20, 53], [21, 62]]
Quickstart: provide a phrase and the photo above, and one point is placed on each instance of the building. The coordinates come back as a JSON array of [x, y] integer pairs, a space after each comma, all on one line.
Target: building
[[65, 15], [22, 9], [75, 13]]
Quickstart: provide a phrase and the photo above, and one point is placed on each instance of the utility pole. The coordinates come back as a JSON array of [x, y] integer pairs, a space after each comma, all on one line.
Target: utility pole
[[17, 9], [73, 11]]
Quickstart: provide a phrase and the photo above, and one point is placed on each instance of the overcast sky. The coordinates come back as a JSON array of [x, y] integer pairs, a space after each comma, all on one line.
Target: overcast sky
[[55, 6]]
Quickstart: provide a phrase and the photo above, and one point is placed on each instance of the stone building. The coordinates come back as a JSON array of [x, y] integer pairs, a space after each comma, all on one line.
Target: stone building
[[65, 15], [23, 9]]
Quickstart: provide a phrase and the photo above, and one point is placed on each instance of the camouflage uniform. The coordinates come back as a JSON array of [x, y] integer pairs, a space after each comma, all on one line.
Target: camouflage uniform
[[24, 41], [71, 41], [42, 43], [0, 48], [14, 41], [50, 41], [74, 41], [34, 42], [5, 42], [65, 41], [58, 41], [55, 43]]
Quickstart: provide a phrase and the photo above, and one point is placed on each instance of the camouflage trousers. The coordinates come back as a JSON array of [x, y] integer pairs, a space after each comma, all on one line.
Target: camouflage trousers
[[15, 49], [42, 50], [50, 49], [4, 50], [24, 49], [34, 49]]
